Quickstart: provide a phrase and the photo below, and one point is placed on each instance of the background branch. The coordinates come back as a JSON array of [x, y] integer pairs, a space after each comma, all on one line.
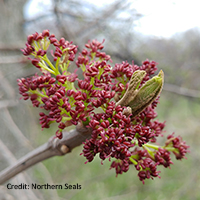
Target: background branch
[[54, 147], [13, 59], [181, 90], [20, 179]]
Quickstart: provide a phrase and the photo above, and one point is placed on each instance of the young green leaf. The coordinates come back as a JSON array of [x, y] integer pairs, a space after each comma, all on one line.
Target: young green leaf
[[147, 94], [132, 90]]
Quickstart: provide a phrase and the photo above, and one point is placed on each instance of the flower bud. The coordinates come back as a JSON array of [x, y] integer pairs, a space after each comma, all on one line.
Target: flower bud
[[132, 88], [147, 94]]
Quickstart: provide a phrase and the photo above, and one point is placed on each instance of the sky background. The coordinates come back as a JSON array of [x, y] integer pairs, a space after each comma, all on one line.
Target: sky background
[[166, 17], [162, 18]]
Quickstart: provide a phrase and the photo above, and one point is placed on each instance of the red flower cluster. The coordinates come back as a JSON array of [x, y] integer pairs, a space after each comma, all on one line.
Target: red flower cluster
[[116, 134]]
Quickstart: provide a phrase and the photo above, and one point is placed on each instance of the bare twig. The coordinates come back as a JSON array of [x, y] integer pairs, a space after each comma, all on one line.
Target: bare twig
[[181, 91], [21, 178], [13, 59], [6, 86], [54, 147], [8, 103], [23, 142], [107, 13], [11, 47], [14, 129]]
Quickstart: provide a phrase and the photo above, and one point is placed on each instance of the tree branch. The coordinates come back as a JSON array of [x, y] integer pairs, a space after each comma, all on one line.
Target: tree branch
[[20, 179], [181, 91], [11, 47], [54, 147], [13, 59]]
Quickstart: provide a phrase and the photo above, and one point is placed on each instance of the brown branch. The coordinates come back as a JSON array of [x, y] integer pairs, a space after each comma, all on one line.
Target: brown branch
[[54, 147], [181, 91], [11, 47], [13, 59], [6, 86], [8, 103], [107, 13], [7, 154]]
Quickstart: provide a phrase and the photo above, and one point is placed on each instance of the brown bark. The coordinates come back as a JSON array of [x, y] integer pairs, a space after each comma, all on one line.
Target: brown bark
[[54, 147]]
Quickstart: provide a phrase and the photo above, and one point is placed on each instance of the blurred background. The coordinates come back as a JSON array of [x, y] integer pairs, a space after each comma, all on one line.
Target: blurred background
[[165, 31]]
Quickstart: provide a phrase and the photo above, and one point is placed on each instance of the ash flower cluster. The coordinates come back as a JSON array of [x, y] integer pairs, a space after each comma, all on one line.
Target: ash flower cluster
[[67, 99]]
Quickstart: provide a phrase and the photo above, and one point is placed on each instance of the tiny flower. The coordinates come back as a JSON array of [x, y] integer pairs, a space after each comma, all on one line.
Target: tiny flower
[[59, 134], [45, 33]]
